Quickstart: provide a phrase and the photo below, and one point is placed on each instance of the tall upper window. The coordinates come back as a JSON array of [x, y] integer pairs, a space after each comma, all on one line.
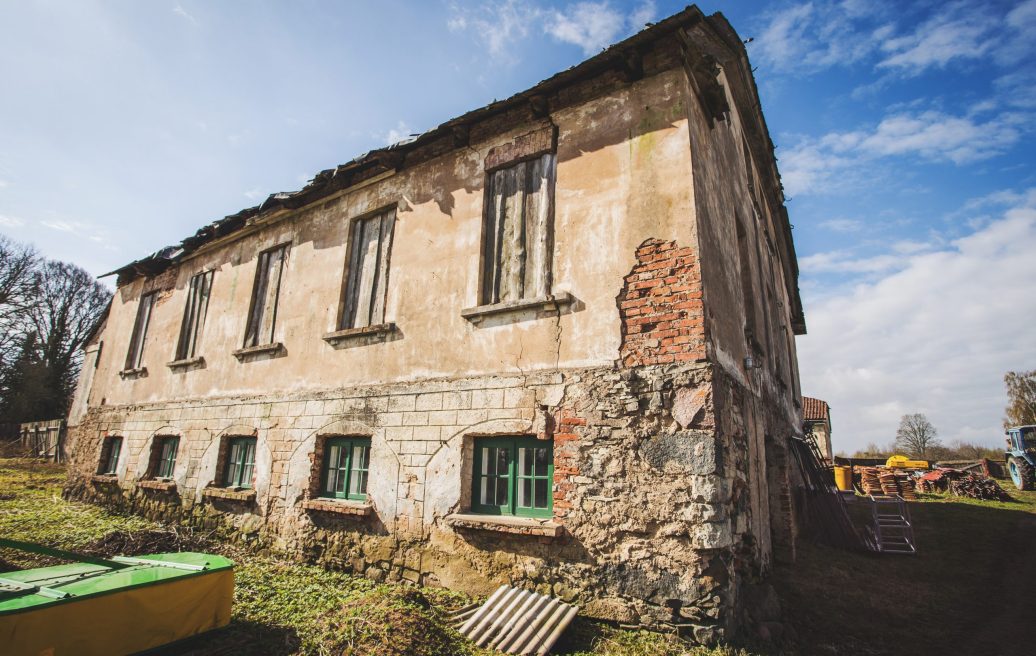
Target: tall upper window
[[366, 278], [513, 476], [262, 314], [346, 464], [518, 234], [240, 463], [136, 347], [194, 315]]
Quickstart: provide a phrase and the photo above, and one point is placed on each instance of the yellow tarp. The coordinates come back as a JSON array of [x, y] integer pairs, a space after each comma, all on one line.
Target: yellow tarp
[[122, 622]]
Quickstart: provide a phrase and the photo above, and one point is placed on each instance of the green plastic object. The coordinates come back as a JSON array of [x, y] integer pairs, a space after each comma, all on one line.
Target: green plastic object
[[91, 576]]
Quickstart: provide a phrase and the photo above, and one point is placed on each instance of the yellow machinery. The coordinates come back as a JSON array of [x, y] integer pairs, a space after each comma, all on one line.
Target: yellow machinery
[[902, 462]]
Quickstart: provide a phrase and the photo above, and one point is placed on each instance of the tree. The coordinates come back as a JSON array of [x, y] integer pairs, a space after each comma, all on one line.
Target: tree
[[18, 281], [47, 310], [916, 435], [1021, 398]]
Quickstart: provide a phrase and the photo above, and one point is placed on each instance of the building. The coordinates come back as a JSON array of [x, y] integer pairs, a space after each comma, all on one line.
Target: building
[[550, 341], [816, 418]]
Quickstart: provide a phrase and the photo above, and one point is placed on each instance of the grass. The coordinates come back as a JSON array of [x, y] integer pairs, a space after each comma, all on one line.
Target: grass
[[967, 589], [284, 607]]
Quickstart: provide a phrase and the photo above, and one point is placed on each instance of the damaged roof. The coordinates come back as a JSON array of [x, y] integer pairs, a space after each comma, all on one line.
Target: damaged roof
[[625, 55], [815, 409]]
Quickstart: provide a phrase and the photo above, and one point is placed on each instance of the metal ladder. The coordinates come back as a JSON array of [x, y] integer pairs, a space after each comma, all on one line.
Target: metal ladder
[[892, 530]]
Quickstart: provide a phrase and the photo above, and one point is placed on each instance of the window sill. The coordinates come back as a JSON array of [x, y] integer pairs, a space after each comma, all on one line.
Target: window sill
[[505, 524], [542, 303], [139, 372], [347, 334], [184, 364], [157, 485], [104, 479], [242, 353], [229, 494], [339, 506]]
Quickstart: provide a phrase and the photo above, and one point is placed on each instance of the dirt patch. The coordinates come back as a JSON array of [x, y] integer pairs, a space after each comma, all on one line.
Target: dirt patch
[[391, 621]]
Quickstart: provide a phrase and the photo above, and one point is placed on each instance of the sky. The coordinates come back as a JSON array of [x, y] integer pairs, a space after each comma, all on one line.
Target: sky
[[904, 133]]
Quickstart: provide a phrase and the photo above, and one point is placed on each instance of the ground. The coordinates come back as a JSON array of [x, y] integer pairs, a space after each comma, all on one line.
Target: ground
[[966, 590]]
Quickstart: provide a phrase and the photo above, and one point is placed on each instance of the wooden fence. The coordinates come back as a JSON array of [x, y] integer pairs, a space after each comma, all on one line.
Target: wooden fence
[[43, 439]]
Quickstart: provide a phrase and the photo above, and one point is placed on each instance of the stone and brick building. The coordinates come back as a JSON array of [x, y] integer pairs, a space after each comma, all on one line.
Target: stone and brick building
[[549, 342], [816, 419]]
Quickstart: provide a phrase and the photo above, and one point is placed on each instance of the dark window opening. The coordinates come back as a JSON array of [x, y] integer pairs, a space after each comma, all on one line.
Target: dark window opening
[[135, 355], [367, 276], [194, 315], [262, 314], [518, 233]]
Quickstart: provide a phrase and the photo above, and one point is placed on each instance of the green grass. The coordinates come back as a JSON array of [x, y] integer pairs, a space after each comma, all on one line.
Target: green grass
[[283, 607]]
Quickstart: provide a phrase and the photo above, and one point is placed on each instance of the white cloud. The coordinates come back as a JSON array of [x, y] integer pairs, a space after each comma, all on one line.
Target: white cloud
[[497, 26], [255, 194], [935, 334], [4, 184], [77, 228], [829, 163], [642, 15], [816, 35], [401, 132], [955, 31], [589, 25], [180, 11], [11, 221], [842, 225]]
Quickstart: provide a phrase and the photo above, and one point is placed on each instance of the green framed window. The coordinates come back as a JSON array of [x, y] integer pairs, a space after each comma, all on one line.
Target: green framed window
[[513, 476], [110, 464], [345, 469], [240, 462], [167, 447]]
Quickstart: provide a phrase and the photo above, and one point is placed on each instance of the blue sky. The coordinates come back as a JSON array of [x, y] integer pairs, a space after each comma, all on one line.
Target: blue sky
[[904, 132]]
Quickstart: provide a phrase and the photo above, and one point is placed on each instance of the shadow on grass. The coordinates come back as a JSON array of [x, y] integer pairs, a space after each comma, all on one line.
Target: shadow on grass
[[957, 592], [236, 639]]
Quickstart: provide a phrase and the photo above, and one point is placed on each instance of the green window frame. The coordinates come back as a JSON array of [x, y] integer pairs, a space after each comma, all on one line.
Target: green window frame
[[513, 476], [346, 468], [168, 447], [111, 461], [240, 462]]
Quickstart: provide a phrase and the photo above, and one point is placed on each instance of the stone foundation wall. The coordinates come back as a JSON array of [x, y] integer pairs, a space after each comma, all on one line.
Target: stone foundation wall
[[649, 521]]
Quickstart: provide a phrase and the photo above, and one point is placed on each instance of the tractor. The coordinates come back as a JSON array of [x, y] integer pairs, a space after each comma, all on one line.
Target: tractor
[[1021, 456]]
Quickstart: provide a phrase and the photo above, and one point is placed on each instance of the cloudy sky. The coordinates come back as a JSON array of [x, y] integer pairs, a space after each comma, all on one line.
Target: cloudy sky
[[905, 137]]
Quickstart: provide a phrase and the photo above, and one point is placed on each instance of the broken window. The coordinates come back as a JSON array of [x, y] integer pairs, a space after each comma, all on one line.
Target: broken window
[[367, 276], [136, 348], [262, 314], [345, 469], [240, 462], [517, 235], [513, 476], [194, 315], [110, 451], [165, 450]]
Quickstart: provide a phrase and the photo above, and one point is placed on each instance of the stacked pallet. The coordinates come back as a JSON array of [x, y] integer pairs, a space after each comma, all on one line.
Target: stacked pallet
[[869, 480]]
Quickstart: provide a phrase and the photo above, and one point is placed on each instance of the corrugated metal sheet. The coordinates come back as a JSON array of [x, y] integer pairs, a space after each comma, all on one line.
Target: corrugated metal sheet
[[516, 621]]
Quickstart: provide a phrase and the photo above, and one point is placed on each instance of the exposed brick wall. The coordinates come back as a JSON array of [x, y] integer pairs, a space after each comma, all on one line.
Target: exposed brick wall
[[660, 306]]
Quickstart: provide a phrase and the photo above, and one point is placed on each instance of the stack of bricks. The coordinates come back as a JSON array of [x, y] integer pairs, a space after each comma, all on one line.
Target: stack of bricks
[[661, 306], [566, 458]]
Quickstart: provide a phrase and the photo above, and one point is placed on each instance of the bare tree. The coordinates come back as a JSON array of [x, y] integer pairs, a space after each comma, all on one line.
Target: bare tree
[[18, 281], [68, 303], [1021, 398], [916, 435]]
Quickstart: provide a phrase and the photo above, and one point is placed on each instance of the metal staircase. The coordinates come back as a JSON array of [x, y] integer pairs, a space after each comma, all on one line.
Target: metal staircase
[[892, 530]]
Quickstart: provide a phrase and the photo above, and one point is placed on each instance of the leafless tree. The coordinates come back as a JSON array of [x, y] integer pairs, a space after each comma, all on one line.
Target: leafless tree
[[916, 435], [68, 303], [1021, 398], [18, 282]]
